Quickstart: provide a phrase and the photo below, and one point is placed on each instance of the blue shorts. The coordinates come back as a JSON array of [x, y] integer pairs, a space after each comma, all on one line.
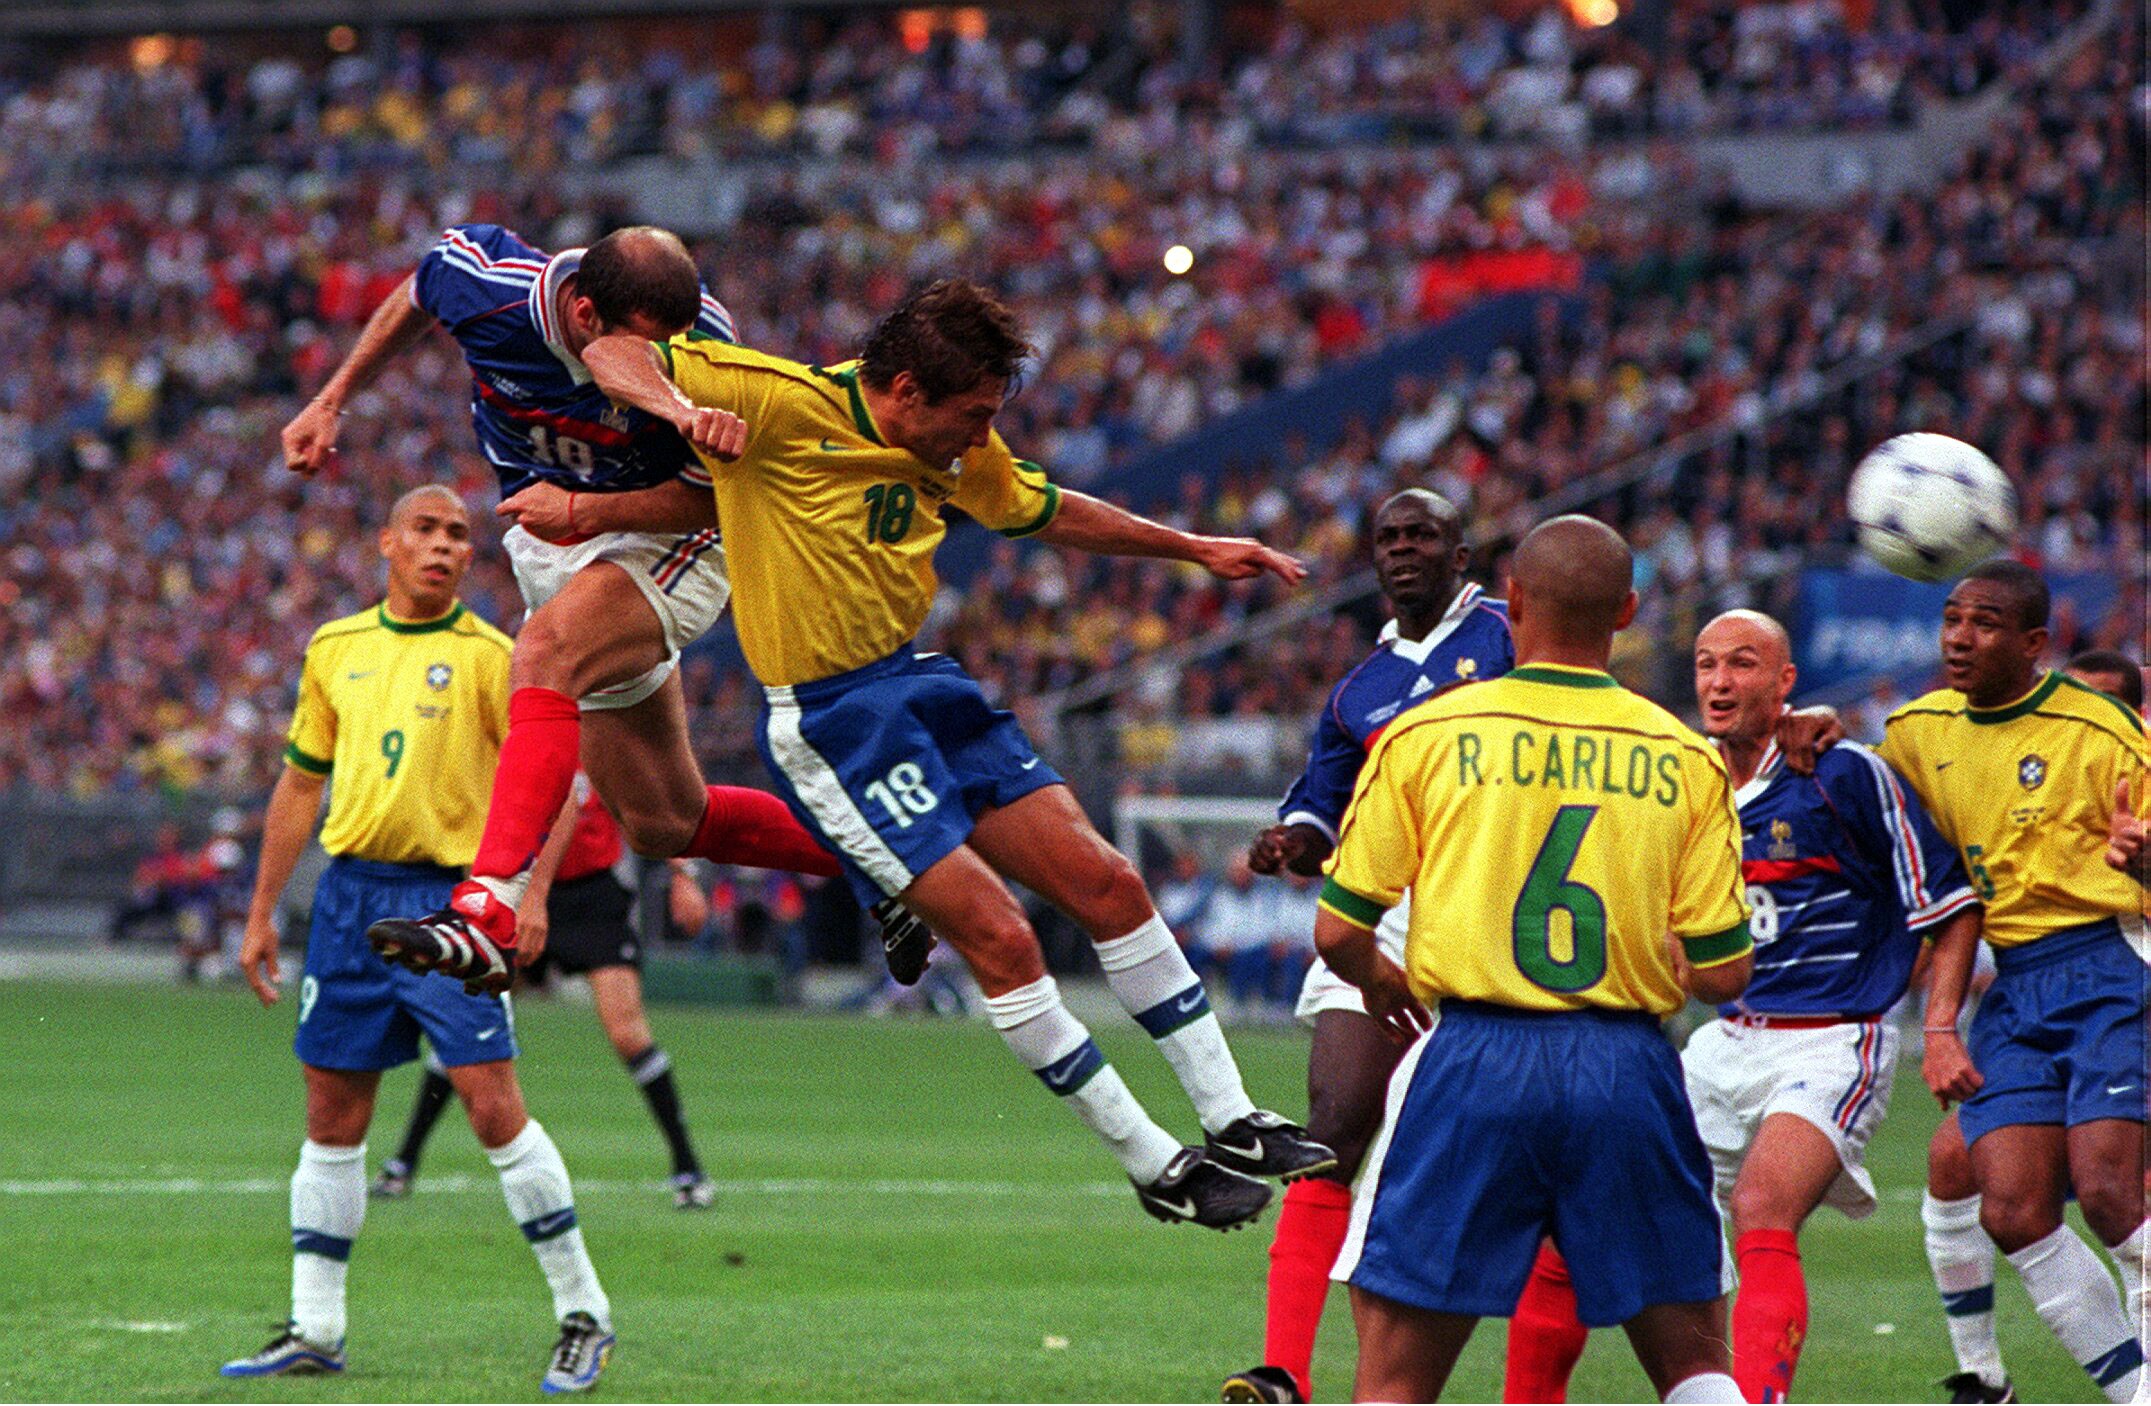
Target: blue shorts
[[2059, 1037], [358, 1012], [891, 765], [1506, 1126]]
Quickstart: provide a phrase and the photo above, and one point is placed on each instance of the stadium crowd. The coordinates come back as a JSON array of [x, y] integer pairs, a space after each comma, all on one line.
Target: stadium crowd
[[162, 573]]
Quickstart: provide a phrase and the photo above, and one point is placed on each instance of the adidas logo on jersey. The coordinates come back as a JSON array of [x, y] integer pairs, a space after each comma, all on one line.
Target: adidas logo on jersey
[[1425, 685]]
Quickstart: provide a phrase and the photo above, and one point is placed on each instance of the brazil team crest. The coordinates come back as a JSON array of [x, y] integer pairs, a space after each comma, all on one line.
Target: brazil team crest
[[438, 676], [2031, 772]]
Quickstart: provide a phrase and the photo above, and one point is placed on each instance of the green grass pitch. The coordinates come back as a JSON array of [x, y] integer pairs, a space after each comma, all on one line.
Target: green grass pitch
[[904, 1216]]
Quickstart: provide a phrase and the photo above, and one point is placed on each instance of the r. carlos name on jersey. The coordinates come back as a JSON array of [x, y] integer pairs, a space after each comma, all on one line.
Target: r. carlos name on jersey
[[1582, 762]]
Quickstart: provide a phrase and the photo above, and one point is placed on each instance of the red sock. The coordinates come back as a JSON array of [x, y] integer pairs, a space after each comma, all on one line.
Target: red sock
[[1769, 1314], [741, 825], [1310, 1232], [1545, 1335], [537, 766]]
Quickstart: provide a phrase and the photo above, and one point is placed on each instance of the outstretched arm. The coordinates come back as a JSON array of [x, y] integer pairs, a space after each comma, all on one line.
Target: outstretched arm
[[1094, 525], [394, 329]]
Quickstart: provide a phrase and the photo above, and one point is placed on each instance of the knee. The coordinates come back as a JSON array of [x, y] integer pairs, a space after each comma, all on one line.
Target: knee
[[541, 658], [2113, 1205], [1949, 1167], [1001, 950], [1344, 1120], [1109, 898], [630, 1035], [2013, 1222], [497, 1115], [654, 830], [1760, 1207], [337, 1126]]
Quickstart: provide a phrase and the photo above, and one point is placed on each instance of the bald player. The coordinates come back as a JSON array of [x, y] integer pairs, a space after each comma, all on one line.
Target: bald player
[[404, 704], [1845, 876], [615, 546], [1569, 827]]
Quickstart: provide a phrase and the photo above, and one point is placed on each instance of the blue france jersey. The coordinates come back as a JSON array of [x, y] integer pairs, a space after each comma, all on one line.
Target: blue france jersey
[[1470, 642], [1844, 869], [538, 414]]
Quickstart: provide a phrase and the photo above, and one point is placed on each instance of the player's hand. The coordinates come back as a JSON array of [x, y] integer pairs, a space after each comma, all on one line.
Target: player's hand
[[1804, 734], [717, 433], [1238, 558], [310, 438], [1391, 1002], [257, 958], [1947, 1068], [544, 510], [1300, 848], [532, 928], [2125, 847]]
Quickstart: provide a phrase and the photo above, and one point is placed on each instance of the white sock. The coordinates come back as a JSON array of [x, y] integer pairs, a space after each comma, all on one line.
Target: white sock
[[1151, 976], [535, 1181], [1962, 1258], [328, 1205], [1054, 1045], [2129, 1255], [2074, 1294], [1711, 1387]]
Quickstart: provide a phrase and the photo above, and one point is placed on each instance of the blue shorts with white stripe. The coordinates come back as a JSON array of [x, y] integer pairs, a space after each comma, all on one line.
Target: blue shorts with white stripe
[[890, 765]]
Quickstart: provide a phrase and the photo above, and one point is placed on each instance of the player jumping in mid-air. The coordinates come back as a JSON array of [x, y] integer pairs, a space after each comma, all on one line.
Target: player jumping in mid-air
[[404, 705], [1844, 873], [833, 492], [2036, 779], [1568, 826], [580, 924], [1446, 630], [614, 545]]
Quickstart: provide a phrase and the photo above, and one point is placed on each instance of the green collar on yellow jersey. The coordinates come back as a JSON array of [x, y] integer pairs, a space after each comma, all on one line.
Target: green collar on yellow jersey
[[1566, 675], [2008, 712], [848, 378], [418, 627]]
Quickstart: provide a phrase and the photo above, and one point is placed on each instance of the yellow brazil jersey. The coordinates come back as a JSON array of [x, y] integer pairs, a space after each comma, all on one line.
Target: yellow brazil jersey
[[406, 719], [1553, 828], [2025, 792], [829, 532]]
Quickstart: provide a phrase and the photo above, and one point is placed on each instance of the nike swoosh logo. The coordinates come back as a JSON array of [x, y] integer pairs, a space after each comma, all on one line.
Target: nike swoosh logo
[[1029, 764], [367, 674], [1188, 1002], [1941, 766], [1060, 1081], [552, 1222], [1252, 1152], [1184, 1208], [2121, 1089], [489, 1032], [830, 446]]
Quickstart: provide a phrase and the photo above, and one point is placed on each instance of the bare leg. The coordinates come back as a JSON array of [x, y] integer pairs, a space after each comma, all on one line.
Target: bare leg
[[1405, 1353], [1676, 1341]]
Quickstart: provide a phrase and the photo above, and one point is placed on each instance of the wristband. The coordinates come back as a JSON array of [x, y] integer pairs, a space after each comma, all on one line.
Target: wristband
[[1938, 1030], [571, 512]]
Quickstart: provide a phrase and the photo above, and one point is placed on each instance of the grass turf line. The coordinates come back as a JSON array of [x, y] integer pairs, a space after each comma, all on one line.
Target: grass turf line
[[847, 1287]]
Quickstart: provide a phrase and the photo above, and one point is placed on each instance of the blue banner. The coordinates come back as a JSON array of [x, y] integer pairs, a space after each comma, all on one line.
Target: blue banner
[[1858, 624]]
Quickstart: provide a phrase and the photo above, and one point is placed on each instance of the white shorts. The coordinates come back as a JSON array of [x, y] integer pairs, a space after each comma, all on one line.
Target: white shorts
[[1837, 1077], [682, 576], [1324, 990]]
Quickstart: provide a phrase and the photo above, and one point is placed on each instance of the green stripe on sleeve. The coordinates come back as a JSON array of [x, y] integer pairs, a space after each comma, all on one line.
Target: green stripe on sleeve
[[306, 761], [1713, 948], [665, 349], [1044, 519], [1355, 909]]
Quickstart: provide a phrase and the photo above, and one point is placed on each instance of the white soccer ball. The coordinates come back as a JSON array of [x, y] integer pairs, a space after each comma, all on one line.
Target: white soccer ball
[[1930, 507]]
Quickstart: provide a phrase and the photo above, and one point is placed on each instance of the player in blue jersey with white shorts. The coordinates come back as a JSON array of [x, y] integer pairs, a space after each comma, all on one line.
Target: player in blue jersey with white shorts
[[1445, 631], [404, 705], [614, 545]]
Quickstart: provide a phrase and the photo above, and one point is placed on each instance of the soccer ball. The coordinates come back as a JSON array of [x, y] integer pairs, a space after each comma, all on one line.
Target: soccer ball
[[1930, 507]]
